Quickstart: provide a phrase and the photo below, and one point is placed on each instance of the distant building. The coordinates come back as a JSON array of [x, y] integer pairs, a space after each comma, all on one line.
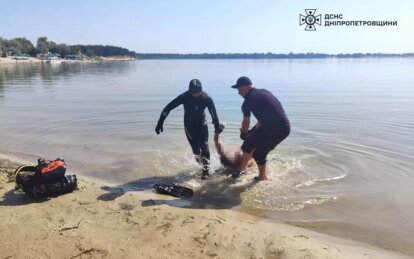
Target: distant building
[[6, 53], [50, 55]]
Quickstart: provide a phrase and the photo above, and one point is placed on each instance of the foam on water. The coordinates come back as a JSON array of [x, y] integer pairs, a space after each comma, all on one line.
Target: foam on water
[[314, 181], [286, 190]]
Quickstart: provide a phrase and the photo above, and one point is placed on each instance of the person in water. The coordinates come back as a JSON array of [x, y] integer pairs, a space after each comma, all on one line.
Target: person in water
[[230, 159], [195, 101], [272, 128]]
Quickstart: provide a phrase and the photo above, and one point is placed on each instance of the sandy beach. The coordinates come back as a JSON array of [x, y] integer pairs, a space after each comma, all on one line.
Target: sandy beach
[[28, 60], [102, 222], [32, 60]]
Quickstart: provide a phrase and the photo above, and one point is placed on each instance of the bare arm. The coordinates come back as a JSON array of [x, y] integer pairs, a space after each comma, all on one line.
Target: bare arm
[[246, 118], [245, 124], [218, 144]]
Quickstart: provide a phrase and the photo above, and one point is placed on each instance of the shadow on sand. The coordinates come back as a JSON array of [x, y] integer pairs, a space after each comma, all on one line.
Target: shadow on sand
[[218, 192], [11, 198]]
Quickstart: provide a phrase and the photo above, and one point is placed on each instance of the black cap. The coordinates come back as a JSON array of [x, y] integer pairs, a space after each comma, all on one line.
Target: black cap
[[195, 86], [244, 80]]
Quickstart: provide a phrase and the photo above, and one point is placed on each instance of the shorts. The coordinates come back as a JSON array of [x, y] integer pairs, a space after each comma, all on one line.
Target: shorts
[[261, 141]]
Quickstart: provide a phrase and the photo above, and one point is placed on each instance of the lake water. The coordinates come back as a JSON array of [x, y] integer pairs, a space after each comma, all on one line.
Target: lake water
[[346, 169]]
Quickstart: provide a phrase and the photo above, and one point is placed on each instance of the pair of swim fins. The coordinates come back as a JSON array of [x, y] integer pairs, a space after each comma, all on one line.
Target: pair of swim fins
[[173, 190]]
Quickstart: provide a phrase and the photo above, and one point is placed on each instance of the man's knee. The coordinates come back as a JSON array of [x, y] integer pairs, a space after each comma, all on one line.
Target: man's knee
[[205, 151], [260, 158], [252, 141]]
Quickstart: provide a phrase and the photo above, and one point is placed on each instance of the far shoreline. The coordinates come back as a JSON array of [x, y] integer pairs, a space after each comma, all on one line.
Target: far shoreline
[[33, 60]]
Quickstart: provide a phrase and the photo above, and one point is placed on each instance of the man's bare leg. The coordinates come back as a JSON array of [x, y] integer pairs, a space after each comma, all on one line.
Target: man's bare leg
[[245, 160], [262, 172], [243, 164]]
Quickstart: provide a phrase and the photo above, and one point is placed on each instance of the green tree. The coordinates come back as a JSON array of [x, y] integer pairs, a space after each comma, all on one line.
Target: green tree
[[64, 50], [52, 46], [1, 45], [22, 45], [42, 45], [61, 49]]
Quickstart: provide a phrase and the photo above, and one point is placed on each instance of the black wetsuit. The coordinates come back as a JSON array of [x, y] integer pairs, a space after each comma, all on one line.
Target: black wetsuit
[[274, 125], [195, 124]]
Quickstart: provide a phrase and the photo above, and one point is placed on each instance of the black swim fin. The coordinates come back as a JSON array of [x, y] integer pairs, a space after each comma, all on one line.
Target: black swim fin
[[173, 190]]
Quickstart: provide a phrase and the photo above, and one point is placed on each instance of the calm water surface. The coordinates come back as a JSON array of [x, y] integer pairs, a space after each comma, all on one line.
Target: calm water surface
[[346, 169]]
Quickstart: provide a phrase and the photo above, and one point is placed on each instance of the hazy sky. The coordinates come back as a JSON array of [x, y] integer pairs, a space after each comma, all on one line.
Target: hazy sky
[[211, 26]]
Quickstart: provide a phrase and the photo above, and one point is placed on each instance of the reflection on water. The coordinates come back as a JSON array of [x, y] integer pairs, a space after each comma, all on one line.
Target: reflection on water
[[349, 155], [24, 73]]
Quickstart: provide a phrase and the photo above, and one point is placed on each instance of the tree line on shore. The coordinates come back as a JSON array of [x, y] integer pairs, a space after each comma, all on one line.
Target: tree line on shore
[[23, 46], [268, 55]]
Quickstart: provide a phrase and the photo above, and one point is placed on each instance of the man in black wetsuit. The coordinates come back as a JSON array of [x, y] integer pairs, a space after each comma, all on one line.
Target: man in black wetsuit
[[272, 127], [195, 101]]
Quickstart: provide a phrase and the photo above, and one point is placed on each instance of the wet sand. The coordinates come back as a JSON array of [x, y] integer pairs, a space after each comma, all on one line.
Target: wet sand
[[103, 222]]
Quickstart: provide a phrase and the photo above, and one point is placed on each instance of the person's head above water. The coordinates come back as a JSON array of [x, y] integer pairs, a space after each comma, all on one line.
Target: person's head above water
[[195, 88], [244, 85]]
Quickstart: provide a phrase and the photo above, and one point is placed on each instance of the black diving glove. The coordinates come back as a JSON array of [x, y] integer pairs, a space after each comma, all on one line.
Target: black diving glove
[[159, 128], [217, 130]]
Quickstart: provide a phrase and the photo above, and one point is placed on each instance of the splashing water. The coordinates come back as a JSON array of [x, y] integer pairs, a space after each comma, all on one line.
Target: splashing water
[[285, 191]]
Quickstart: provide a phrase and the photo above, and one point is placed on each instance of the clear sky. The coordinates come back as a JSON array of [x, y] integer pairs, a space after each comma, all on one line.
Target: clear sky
[[210, 26]]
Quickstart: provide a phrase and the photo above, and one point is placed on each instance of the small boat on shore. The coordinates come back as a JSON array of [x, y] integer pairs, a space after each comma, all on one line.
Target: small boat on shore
[[51, 58], [53, 61]]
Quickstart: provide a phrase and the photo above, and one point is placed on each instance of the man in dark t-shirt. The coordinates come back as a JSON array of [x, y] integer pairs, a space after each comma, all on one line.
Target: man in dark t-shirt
[[272, 127], [195, 125]]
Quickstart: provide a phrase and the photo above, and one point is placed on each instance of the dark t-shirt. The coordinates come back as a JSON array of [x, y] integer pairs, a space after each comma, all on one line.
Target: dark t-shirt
[[267, 109], [194, 114]]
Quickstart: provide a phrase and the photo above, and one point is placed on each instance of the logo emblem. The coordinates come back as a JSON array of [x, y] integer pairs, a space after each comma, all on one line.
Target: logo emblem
[[310, 19]]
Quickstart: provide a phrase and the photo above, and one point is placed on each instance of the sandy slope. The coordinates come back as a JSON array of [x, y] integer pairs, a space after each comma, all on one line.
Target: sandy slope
[[14, 61], [8, 60], [94, 223]]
